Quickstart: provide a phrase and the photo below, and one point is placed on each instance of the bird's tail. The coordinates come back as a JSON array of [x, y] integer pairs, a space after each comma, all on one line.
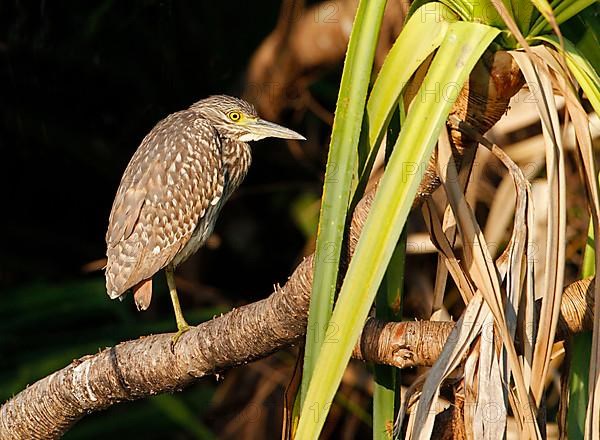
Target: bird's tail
[[142, 294]]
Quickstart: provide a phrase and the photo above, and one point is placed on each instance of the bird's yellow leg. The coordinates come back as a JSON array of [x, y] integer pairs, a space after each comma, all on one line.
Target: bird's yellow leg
[[182, 326]]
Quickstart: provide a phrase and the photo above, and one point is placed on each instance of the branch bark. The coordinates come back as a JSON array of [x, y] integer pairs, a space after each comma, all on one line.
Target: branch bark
[[140, 368], [147, 366]]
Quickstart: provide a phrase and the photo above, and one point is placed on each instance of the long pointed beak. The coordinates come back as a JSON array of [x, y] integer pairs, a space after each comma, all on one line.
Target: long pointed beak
[[260, 129]]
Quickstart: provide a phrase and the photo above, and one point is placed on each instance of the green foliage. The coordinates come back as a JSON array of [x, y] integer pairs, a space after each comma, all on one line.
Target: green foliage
[[388, 307], [341, 165], [583, 31], [44, 327], [580, 67], [463, 45], [578, 385], [394, 76], [580, 360]]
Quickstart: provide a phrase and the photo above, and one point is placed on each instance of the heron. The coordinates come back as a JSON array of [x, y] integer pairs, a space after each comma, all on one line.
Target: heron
[[173, 189]]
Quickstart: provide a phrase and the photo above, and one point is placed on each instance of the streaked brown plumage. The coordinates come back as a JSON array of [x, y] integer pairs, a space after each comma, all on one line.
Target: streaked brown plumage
[[174, 187]]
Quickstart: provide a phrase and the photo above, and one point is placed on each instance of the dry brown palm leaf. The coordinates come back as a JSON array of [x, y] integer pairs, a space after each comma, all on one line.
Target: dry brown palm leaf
[[581, 125], [449, 228], [489, 420], [520, 251], [458, 344], [487, 370], [487, 278], [538, 73], [450, 260]]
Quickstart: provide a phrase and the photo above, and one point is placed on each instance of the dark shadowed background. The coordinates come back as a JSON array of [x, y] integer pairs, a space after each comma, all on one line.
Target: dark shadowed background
[[81, 83]]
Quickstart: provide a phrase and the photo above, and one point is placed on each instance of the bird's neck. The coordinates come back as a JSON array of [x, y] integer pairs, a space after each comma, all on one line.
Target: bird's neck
[[237, 157]]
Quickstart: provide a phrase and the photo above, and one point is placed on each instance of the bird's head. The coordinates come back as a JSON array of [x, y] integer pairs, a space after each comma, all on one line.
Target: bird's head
[[237, 119]]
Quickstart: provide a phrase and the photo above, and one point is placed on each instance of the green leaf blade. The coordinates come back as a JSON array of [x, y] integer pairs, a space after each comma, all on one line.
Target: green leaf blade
[[388, 307], [460, 50], [579, 66], [409, 51], [338, 176], [580, 359]]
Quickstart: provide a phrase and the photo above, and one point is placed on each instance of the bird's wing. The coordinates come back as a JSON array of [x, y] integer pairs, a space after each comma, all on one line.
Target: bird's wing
[[173, 178]]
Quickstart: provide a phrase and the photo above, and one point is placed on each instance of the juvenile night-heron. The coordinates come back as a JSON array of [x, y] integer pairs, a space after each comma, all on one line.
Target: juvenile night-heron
[[173, 189]]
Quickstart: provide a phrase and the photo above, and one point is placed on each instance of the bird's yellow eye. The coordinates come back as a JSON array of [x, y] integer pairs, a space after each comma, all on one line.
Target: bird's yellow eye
[[234, 116]]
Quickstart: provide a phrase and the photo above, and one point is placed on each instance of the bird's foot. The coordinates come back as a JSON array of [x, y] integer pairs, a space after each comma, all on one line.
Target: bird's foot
[[181, 330]]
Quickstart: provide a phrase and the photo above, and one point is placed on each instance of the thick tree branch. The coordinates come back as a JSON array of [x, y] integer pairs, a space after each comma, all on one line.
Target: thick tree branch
[[147, 366], [140, 368]]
